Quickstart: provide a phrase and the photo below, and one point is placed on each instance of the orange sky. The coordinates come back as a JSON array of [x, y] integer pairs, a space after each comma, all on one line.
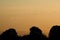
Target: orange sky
[[22, 14]]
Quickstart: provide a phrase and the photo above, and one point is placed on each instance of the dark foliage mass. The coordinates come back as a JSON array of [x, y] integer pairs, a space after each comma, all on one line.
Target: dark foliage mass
[[54, 33], [35, 34]]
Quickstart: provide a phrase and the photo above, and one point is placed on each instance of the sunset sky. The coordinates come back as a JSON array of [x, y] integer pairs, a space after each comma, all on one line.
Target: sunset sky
[[23, 14]]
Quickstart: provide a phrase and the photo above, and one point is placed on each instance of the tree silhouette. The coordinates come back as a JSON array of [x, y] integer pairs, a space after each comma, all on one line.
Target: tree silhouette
[[9, 35], [35, 34], [54, 33]]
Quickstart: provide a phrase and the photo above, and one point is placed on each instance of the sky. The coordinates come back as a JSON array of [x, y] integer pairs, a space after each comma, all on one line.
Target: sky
[[23, 14]]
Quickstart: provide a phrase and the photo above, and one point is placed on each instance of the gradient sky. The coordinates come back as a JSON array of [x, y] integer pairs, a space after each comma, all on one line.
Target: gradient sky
[[22, 14]]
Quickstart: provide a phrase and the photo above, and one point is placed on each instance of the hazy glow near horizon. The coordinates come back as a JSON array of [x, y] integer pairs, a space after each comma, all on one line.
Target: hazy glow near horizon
[[22, 14]]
